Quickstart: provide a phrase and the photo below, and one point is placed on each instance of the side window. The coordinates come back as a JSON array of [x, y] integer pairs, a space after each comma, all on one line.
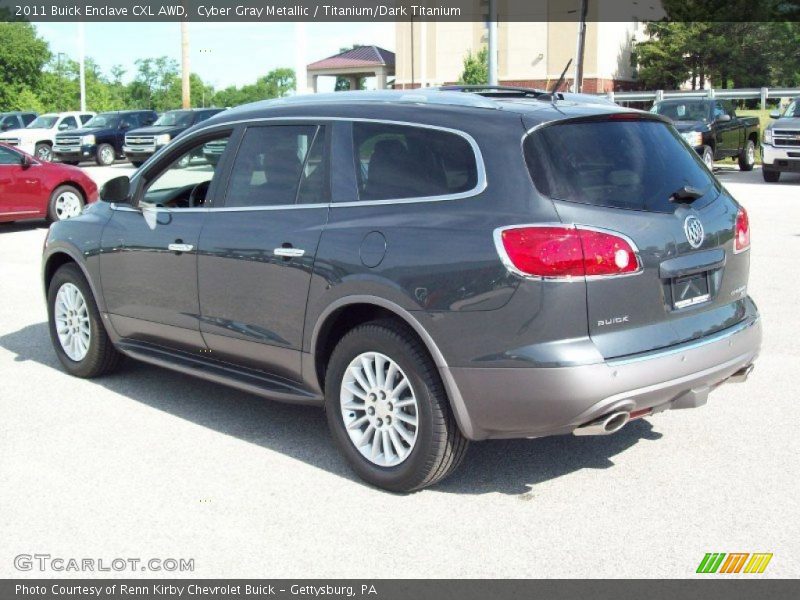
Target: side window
[[269, 165], [85, 119], [398, 161], [145, 119], [184, 183], [7, 123], [68, 123], [719, 110], [7, 157], [129, 122], [27, 118]]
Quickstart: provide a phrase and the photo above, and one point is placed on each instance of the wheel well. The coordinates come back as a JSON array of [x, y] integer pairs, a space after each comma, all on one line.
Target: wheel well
[[753, 137], [54, 263], [76, 185], [342, 320]]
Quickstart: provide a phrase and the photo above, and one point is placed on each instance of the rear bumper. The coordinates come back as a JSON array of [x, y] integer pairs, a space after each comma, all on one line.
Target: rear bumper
[[780, 158], [536, 402]]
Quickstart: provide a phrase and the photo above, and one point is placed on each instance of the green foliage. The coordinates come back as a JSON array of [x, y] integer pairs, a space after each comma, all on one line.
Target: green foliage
[[31, 78], [730, 55], [476, 68]]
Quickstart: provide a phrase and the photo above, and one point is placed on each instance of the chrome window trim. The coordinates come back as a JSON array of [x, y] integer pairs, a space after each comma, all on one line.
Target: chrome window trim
[[480, 184], [506, 260]]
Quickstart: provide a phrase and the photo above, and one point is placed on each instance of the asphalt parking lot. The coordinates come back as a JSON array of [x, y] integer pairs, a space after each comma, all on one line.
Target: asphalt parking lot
[[150, 463]]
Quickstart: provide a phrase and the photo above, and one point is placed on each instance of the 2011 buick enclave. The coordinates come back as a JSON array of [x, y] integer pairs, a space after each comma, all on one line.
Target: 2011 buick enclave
[[431, 267]]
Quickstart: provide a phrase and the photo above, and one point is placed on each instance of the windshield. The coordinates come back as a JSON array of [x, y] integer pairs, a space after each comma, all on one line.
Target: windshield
[[181, 118], [99, 121], [682, 110], [43, 122], [636, 165], [792, 111]]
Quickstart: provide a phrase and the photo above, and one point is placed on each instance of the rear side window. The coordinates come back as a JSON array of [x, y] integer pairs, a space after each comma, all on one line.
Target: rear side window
[[632, 164], [273, 162], [398, 161]]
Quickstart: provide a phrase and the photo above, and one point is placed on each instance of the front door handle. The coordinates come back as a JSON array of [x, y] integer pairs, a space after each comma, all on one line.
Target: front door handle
[[180, 247], [289, 252]]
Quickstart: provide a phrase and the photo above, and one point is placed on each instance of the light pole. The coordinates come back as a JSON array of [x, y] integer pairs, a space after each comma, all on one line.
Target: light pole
[[580, 50], [81, 65], [492, 24], [186, 90]]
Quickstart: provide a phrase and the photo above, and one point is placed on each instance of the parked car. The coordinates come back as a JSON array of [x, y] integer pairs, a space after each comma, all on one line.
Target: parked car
[[431, 268], [31, 188], [780, 150], [102, 138], [38, 137], [15, 120], [713, 129], [141, 144]]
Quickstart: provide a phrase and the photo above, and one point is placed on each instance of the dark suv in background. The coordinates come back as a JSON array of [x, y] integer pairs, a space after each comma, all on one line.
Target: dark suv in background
[[102, 138], [431, 268], [141, 144], [15, 120]]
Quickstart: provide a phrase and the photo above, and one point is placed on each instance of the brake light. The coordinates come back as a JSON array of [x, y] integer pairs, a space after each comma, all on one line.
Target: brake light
[[741, 240], [566, 251]]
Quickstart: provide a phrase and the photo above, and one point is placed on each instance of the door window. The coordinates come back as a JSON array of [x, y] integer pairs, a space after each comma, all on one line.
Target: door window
[[185, 182], [85, 118], [273, 162], [68, 123], [398, 161], [7, 157]]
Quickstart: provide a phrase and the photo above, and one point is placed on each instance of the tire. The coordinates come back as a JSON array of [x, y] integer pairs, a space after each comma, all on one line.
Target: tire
[[105, 155], [43, 152], [71, 163], [437, 446], [66, 202], [708, 157], [100, 356], [747, 157], [137, 163], [770, 176]]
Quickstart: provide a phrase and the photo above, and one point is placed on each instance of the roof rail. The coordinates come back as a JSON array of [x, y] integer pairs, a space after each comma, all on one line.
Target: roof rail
[[499, 91]]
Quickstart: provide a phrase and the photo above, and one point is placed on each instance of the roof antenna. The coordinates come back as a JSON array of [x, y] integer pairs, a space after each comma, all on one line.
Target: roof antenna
[[553, 94]]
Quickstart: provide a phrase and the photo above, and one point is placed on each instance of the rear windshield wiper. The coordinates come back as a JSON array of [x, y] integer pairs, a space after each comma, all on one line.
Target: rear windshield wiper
[[686, 194]]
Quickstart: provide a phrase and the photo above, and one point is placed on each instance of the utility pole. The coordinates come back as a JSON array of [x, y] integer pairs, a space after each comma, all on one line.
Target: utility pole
[[579, 52], [81, 65], [492, 24], [186, 90]]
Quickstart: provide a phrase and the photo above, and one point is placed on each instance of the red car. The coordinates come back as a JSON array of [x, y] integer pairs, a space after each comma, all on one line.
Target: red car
[[30, 188]]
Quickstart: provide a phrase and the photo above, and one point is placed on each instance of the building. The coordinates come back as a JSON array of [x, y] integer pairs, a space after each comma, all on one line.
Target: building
[[530, 54]]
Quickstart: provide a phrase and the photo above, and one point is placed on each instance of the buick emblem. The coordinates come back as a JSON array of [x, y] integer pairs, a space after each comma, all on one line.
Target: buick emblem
[[694, 231]]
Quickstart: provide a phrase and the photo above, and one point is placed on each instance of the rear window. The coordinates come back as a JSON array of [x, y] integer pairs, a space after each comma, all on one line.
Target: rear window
[[394, 162], [627, 164]]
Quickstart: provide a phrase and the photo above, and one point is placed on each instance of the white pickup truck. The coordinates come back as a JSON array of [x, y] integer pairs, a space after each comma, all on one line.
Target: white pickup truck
[[37, 138], [780, 149]]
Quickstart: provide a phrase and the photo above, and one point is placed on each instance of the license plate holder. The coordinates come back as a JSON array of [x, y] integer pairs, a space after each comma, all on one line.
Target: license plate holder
[[690, 290]]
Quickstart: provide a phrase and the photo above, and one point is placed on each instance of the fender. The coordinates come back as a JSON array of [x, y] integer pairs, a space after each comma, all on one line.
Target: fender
[[59, 247], [453, 393]]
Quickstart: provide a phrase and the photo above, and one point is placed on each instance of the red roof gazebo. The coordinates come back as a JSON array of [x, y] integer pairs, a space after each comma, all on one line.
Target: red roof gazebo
[[355, 64]]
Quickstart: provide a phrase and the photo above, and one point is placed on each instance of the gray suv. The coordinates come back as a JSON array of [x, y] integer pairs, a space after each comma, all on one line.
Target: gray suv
[[431, 268]]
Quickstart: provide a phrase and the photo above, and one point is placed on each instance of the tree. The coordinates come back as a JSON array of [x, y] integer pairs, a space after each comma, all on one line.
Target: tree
[[476, 68], [23, 55]]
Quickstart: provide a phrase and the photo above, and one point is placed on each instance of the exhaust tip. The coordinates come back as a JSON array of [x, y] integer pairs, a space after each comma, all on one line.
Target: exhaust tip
[[616, 421], [605, 425]]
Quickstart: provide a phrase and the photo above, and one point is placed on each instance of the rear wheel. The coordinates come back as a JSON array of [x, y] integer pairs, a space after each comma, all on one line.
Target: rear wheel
[[43, 152], [770, 176], [105, 155], [388, 411], [747, 157], [66, 202], [76, 328], [708, 157]]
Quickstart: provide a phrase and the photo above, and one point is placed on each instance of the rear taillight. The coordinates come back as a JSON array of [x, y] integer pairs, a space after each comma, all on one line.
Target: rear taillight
[[741, 239], [564, 251]]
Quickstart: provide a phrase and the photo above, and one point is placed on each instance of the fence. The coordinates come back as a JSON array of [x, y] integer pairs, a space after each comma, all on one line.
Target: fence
[[762, 94]]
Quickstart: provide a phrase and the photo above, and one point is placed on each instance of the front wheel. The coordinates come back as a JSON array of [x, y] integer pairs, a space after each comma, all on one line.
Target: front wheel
[[770, 176], [105, 155], [66, 202], [747, 157], [76, 328], [387, 409], [43, 152]]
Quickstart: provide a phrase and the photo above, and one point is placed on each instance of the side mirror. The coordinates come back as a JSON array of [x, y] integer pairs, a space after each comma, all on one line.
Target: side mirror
[[117, 190], [775, 114], [723, 118], [63, 126], [25, 161]]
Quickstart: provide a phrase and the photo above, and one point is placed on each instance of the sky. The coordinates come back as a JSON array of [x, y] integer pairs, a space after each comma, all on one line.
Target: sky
[[222, 54]]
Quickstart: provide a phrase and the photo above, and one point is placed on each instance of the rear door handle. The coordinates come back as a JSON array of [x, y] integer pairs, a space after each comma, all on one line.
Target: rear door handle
[[289, 252], [180, 247]]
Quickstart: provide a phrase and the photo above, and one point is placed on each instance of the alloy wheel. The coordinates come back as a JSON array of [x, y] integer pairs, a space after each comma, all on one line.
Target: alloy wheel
[[67, 205], [72, 322], [107, 155], [379, 409], [44, 153]]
